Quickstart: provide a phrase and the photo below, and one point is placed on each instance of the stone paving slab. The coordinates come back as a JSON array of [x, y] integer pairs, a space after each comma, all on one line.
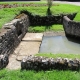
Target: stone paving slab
[[33, 37], [13, 63], [27, 48]]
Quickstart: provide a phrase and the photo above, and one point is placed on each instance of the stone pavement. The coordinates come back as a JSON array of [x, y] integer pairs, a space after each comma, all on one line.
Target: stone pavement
[[29, 46]]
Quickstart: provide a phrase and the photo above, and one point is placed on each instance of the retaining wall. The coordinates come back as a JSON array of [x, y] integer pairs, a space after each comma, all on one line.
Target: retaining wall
[[12, 33], [71, 28]]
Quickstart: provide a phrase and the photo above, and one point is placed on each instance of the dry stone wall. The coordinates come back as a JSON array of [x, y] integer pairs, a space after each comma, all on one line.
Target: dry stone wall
[[37, 20], [4, 60], [71, 28], [44, 63], [12, 33]]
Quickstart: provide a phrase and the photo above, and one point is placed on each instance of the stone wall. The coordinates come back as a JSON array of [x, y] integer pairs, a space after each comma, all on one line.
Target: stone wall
[[4, 60], [37, 20], [44, 63], [71, 28], [12, 33]]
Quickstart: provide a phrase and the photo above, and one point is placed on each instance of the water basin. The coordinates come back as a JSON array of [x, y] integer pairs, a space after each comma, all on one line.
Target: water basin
[[59, 44]]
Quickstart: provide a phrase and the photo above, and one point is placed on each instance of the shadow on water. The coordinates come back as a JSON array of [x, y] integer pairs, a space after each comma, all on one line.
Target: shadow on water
[[73, 39]]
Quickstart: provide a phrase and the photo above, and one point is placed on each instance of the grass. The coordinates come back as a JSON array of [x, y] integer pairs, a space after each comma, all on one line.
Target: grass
[[6, 74], [41, 75], [36, 29], [72, 56], [43, 28], [7, 14]]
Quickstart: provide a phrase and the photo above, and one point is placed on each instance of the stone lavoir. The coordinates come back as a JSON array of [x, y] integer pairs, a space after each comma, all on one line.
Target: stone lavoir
[[12, 33]]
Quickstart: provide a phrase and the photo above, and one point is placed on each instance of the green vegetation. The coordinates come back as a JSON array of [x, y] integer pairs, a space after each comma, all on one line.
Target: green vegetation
[[36, 29], [6, 74], [41, 75], [39, 8], [7, 14], [73, 56], [43, 28]]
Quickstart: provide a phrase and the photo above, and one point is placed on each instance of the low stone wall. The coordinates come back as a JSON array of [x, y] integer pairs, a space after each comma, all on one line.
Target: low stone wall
[[4, 60], [37, 20], [71, 28], [44, 63], [12, 33]]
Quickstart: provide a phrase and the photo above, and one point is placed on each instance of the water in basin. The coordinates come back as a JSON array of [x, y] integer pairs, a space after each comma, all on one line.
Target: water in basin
[[59, 44]]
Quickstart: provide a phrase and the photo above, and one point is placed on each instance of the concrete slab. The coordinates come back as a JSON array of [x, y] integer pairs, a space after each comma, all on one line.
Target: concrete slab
[[27, 48], [33, 37], [13, 63]]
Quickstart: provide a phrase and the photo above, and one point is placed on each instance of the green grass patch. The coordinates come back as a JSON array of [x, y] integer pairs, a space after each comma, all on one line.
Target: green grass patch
[[36, 29], [7, 14], [41, 75], [43, 28], [73, 56], [57, 27]]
